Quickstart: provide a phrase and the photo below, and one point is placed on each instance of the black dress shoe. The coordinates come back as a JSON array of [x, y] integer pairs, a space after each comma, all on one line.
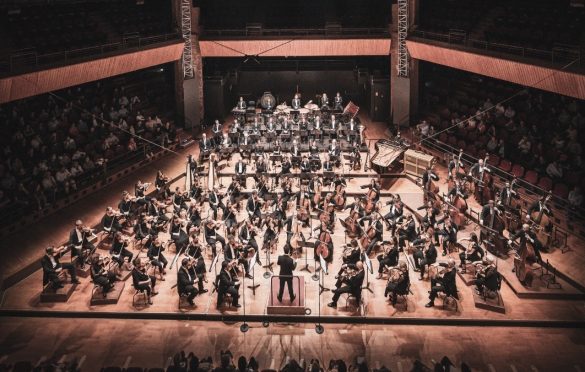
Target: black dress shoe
[[279, 299], [204, 291], [249, 276], [430, 304], [292, 299], [238, 306], [332, 304]]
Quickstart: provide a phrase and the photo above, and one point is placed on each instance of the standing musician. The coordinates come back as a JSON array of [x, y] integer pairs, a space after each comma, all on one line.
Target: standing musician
[[398, 283], [454, 164], [80, 245], [227, 285], [388, 258], [101, 275], [527, 235], [110, 221], [287, 266], [156, 257], [444, 283], [338, 102], [142, 281], [186, 282], [215, 202], [296, 102], [424, 257], [487, 215], [353, 283], [198, 269], [487, 276], [247, 237], [212, 237], [178, 234], [216, 129], [477, 173], [119, 251], [508, 194], [234, 251], [538, 207], [52, 267], [473, 253]]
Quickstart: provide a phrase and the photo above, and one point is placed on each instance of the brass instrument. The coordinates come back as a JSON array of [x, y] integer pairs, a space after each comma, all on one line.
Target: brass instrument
[[395, 275], [436, 271]]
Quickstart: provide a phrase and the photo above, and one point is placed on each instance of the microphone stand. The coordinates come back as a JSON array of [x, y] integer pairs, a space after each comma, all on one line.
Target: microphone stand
[[318, 327], [244, 327]]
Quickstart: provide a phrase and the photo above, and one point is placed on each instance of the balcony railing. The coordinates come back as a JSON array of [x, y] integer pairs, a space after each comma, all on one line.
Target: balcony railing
[[29, 59], [260, 32], [561, 54]]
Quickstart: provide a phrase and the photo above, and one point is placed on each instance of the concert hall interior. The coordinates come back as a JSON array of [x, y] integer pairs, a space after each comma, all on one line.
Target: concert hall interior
[[373, 185]]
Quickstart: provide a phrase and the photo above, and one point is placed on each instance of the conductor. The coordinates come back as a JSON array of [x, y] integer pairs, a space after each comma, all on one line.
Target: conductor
[[287, 265]]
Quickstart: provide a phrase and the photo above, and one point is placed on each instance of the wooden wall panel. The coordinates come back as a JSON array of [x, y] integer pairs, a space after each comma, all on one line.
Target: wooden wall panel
[[549, 79], [296, 48], [34, 83]]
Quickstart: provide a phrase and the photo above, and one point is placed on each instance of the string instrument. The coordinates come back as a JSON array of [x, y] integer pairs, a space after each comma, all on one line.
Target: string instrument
[[367, 238], [395, 275], [523, 260], [323, 247], [436, 271], [356, 160], [351, 224], [339, 198], [304, 208], [317, 197], [542, 224], [370, 204], [483, 191], [295, 239], [459, 172], [348, 273]]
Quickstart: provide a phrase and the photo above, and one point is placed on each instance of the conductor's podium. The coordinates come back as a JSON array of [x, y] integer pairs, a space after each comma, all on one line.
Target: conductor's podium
[[287, 307]]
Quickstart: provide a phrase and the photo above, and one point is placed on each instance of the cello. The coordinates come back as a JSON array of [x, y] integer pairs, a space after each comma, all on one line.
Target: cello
[[351, 225], [339, 198], [322, 248]]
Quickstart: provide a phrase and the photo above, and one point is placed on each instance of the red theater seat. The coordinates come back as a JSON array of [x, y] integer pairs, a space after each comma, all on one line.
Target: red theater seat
[[494, 160], [505, 165], [518, 170], [561, 190], [531, 177], [545, 183]]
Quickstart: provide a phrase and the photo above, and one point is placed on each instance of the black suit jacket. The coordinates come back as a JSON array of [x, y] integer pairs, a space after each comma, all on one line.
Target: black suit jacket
[[431, 254], [183, 279], [237, 168], [224, 281], [356, 282], [48, 269], [287, 264], [448, 282]]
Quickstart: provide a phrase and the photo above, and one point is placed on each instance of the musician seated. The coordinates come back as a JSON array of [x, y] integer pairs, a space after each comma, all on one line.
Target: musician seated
[[52, 267], [425, 257], [398, 285], [101, 275], [118, 250], [178, 234], [157, 259], [216, 129], [334, 149], [79, 242], [327, 164], [161, 185], [157, 212], [428, 177], [241, 105], [186, 282], [205, 145], [142, 281], [473, 253], [180, 199], [305, 165], [140, 193], [253, 206], [226, 141], [212, 237], [215, 202], [110, 221], [389, 258], [526, 235], [448, 234], [144, 229], [286, 167], [296, 102], [352, 253], [270, 127], [338, 102], [396, 210], [198, 269], [444, 283], [432, 212], [227, 285], [247, 237], [351, 284], [240, 168], [125, 205], [373, 190], [324, 102], [245, 140], [487, 276], [407, 231], [376, 229]]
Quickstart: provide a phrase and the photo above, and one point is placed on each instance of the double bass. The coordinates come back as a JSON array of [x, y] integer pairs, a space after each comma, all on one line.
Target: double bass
[[543, 224], [523, 260], [495, 239], [483, 192]]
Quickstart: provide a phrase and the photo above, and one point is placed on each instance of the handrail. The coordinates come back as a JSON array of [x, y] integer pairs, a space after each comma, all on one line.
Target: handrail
[[467, 159], [559, 54], [328, 32], [26, 59]]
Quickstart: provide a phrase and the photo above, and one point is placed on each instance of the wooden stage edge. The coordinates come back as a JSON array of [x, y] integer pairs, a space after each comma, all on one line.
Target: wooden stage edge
[[315, 319]]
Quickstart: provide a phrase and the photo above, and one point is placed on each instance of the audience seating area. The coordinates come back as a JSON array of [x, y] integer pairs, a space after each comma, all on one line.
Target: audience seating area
[[537, 24], [182, 362], [50, 28], [55, 144], [536, 136]]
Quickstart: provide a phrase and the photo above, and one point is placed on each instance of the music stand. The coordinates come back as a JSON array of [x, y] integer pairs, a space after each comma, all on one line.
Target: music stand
[[304, 244], [213, 265], [370, 270], [323, 264], [269, 272], [252, 266]]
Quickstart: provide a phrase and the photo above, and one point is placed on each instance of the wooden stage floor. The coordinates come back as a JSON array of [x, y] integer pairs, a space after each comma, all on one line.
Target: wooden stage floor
[[24, 296]]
